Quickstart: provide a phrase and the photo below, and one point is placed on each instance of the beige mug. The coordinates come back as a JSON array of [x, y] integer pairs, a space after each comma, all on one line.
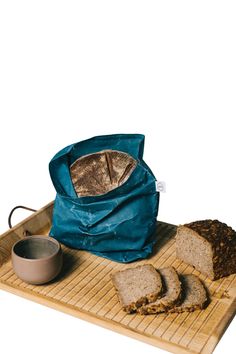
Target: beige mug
[[36, 259]]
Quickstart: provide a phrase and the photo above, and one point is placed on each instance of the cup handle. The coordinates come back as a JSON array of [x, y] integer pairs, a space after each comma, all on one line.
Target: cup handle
[[11, 213]]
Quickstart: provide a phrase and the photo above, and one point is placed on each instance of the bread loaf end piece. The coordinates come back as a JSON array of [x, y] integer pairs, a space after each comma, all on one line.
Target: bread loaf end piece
[[209, 246]]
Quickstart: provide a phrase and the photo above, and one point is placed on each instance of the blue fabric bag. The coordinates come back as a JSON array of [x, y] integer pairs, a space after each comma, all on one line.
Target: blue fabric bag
[[119, 225]]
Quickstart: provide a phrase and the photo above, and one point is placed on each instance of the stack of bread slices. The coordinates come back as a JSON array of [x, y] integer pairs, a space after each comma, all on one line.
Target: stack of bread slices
[[147, 290]]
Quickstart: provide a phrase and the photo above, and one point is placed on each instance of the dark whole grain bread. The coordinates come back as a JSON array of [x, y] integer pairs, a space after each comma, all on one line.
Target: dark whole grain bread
[[172, 293], [194, 295], [209, 246], [137, 286], [101, 172]]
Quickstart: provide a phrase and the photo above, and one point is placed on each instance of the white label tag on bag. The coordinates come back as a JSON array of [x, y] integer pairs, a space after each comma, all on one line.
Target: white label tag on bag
[[161, 186]]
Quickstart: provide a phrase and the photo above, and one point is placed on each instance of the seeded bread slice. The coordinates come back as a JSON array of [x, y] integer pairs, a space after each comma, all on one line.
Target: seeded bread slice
[[137, 286], [172, 294], [194, 295]]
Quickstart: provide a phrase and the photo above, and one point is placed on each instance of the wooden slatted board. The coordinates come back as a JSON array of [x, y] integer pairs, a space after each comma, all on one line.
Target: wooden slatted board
[[84, 289]]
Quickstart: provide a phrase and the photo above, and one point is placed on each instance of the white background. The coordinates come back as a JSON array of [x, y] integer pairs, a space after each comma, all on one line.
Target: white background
[[70, 70]]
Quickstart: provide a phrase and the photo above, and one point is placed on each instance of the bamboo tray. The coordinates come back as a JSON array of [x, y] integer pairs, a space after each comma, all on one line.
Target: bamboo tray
[[84, 290]]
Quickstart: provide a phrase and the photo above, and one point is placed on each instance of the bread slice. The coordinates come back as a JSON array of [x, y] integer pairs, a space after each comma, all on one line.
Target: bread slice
[[137, 286], [172, 294], [209, 246], [194, 295]]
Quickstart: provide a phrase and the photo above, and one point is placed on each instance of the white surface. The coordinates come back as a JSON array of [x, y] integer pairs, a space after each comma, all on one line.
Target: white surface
[[72, 70]]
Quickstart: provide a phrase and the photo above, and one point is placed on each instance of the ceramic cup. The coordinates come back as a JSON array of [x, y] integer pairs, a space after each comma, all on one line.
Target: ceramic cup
[[37, 259]]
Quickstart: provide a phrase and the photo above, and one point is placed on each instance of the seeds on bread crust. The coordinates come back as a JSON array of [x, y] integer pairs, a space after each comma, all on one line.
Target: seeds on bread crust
[[209, 246]]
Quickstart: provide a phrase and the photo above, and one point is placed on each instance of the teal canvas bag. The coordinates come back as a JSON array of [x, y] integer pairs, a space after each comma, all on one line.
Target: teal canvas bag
[[120, 224]]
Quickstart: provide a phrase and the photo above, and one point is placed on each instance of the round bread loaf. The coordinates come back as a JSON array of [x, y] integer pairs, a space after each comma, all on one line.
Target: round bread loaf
[[101, 172]]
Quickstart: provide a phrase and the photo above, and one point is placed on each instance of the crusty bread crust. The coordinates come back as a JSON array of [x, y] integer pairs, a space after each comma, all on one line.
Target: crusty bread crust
[[100, 172]]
